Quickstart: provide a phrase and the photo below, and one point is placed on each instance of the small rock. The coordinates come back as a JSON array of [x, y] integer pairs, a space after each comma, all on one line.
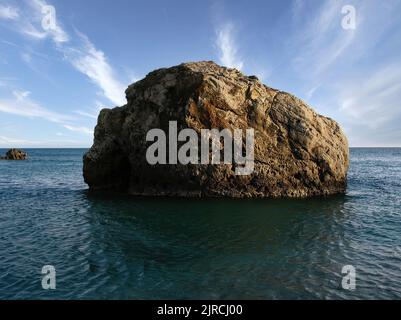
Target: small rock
[[15, 154]]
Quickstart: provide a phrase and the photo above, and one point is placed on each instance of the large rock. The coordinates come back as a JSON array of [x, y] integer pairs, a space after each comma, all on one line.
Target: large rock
[[298, 153], [15, 154]]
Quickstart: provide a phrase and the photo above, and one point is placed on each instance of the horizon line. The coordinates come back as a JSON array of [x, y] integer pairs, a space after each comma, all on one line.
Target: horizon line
[[88, 147]]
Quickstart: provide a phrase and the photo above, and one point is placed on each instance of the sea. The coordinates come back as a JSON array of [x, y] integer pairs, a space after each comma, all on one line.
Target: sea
[[103, 246]]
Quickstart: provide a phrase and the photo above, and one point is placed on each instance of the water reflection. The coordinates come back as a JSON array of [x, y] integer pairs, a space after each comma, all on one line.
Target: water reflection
[[219, 248]]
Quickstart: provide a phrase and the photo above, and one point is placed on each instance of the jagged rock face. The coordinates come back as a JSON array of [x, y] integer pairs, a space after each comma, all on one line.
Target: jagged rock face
[[15, 154], [297, 152]]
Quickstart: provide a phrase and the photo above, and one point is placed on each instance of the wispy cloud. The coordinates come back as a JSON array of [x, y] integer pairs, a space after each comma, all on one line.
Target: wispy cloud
[[321, 40], [9, 13], [87, 59], [376, 100], [311, 92], [227, 47], [21, 95], [22, 105], [91, 112], [13, 141], [328, 59], [79, 129], [29, 21], [86, 114], [79, 51], [320, 44], [93, 63], [56, 33], [28, 29]]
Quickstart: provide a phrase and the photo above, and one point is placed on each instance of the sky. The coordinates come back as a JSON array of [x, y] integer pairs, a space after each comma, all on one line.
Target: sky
[[57, 74]]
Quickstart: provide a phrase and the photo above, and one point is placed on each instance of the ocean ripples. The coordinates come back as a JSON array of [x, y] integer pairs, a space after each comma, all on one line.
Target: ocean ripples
[[110, 247]]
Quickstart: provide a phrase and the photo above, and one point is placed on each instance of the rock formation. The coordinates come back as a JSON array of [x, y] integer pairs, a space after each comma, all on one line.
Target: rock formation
[[297, 152], [15, 154]]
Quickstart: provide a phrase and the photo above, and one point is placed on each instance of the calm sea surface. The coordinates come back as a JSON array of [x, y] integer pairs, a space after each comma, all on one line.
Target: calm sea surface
[[111, 247]]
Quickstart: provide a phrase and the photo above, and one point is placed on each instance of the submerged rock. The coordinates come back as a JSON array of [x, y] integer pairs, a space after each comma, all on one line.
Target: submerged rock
[[297, 152], [15, 154]]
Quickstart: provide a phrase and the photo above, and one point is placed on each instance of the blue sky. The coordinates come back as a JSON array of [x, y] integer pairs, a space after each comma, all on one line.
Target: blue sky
[[53, 82]]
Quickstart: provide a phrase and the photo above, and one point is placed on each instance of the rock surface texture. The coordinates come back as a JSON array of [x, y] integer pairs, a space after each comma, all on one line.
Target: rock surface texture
[[15, 154], [298, 153]]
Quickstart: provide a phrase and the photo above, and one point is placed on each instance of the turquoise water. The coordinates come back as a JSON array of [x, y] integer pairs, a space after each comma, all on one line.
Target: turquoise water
[[111, 247]]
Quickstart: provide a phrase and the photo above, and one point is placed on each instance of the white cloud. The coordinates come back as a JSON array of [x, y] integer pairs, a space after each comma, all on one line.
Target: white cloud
[[356, 85], [8, 140], [21, 95], [311, 92], [85, 58], [28, 29], [93, 63], [321, 44], [228, 52], [80, 52], [321, 41], [98, 105], [9, 13], [22, 105], [79, 129], [86, 114], [57, 33], [376, 100], [29, 21]]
